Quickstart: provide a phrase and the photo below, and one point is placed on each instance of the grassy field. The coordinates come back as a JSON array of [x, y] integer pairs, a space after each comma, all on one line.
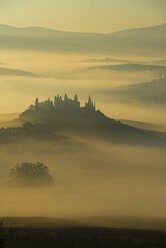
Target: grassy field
[[49, 233], [77, 237]]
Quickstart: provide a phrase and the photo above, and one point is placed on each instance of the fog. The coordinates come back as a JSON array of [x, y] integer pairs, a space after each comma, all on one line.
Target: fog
[[91, 178], [48, 74]]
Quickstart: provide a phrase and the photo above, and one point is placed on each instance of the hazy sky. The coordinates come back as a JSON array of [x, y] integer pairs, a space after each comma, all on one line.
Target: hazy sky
[[83, 15]]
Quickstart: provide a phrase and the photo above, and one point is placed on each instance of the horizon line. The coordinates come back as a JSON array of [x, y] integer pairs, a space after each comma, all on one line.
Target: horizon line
[[78, 32]]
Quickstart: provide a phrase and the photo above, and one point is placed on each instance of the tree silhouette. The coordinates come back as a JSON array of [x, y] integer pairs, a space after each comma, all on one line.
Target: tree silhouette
[[31, 174]]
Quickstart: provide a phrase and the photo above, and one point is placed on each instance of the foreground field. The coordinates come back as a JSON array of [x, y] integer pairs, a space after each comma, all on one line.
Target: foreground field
[[83, 237], [40, 232]]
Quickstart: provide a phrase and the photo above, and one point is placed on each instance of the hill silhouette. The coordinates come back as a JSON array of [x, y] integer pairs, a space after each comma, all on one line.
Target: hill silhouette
[[140, 41], [66, 115], [130, 67], [64, 118], [149, 93], [14, 72]]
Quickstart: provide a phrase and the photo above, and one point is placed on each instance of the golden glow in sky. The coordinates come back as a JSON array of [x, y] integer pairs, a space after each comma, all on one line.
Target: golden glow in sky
[[83, 15]]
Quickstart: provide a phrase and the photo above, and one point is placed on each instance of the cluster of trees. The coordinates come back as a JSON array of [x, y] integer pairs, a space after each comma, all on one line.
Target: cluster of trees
[[9, 131], [59, 104], [31, 174], [27, 129]]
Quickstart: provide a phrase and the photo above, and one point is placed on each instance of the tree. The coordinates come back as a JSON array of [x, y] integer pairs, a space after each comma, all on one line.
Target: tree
[[76, 98], [36, 104], [27, 125], [31, 174]]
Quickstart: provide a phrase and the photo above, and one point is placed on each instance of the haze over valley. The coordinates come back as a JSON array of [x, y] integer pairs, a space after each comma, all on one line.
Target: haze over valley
[[83, 124]]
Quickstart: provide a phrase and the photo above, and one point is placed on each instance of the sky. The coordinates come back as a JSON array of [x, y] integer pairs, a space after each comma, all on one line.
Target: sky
[[103, 16]]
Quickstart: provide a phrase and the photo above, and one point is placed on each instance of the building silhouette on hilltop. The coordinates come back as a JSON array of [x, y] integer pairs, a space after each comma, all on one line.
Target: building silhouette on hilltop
[[62, 104], [60, 108]]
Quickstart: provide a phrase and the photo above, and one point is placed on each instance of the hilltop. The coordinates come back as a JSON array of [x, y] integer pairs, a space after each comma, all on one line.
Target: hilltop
[[64, 112], [61, 118], [64, 119]]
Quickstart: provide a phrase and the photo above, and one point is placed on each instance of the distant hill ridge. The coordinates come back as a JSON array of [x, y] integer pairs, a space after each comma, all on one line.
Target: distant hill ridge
[[133, 41], [40, 28]]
